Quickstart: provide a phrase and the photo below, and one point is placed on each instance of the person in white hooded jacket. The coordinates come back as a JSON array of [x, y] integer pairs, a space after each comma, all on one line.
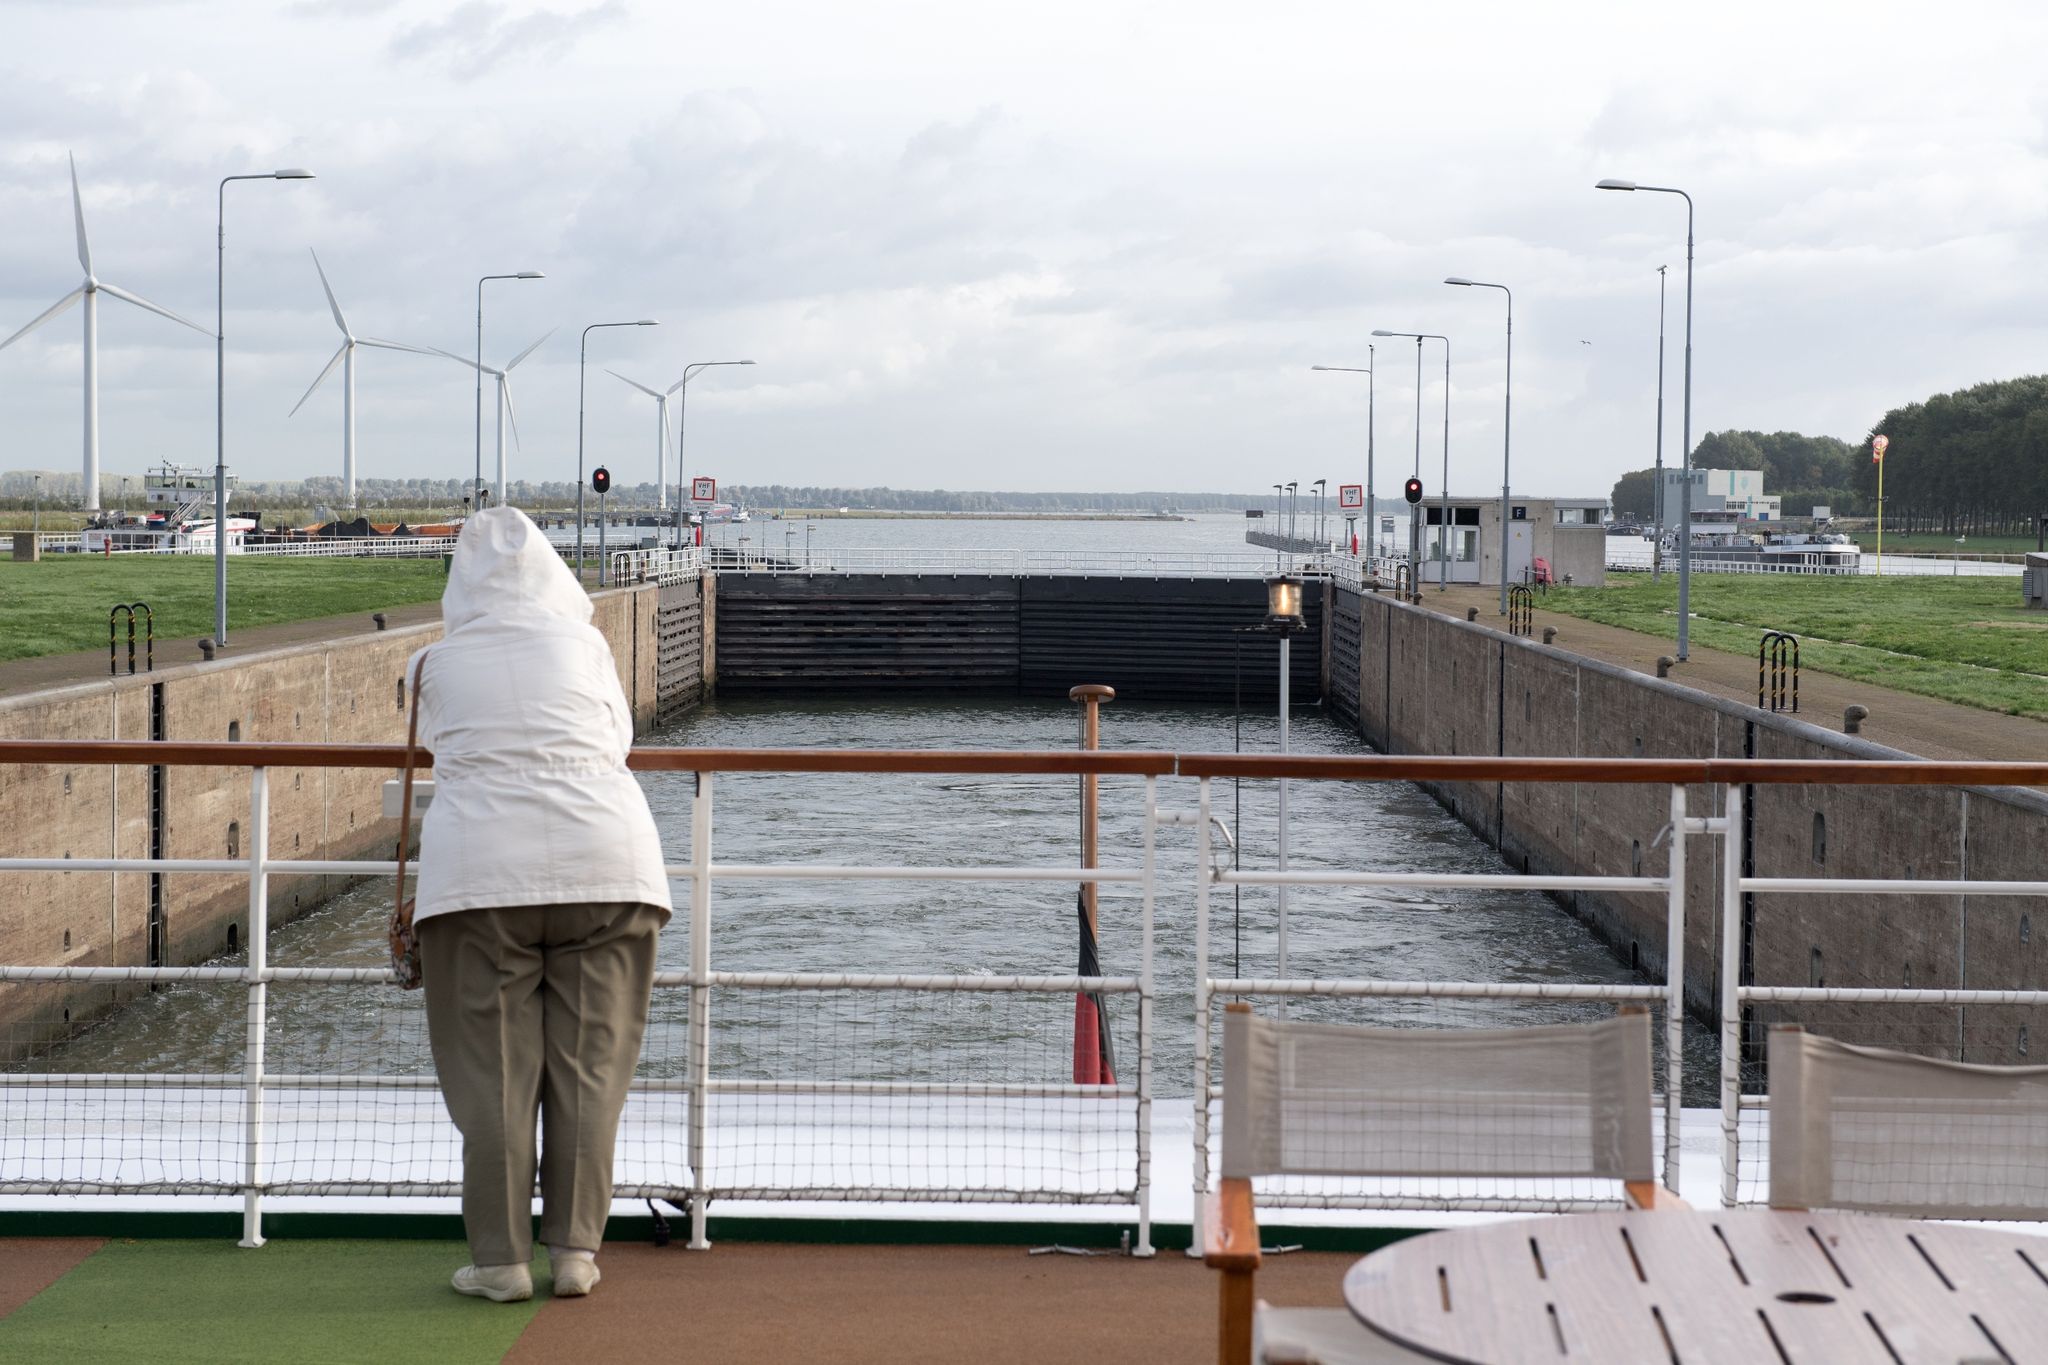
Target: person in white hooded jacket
[[540, 894]]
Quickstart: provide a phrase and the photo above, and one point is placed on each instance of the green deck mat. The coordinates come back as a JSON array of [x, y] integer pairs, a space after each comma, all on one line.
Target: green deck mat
[[304, 1302]]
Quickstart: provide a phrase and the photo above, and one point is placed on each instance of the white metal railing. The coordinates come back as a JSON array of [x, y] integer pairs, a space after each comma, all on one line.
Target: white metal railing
[[1628, 556], [260, 1100], [657, 566], [1008, 563], [240, 1162]]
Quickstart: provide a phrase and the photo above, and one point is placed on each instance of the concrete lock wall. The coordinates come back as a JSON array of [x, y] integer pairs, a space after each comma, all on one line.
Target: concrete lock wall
[[1429, 684], [344, 691]]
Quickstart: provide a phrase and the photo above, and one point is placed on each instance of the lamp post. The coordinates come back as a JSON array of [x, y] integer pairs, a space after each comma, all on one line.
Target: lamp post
[[1685, 425], [478, 486], [1444, 505], [1292, 501], [1284, 619], [1371, 525], [1657, 504], [682, 389], [582, 355], [1507, 414], [1321, 540], [220, 388]]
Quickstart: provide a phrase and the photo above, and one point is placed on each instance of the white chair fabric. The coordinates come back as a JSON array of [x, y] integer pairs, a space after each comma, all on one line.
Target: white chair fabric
[[1888, 1132], [1555, 1100]]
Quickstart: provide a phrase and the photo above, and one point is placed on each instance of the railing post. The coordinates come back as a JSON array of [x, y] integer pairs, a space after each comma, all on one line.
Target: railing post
[[252, 1047], [1201, 1116], [1144, 1246], [700, 1006], [1674, 996], [1731, 992]]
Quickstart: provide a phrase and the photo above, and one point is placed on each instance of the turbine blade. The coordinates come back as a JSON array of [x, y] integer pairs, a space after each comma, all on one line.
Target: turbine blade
[[78, 216], [339, 320], [679, 383], [511, 417], [459, 359], [396, 346], [156, 308], [52, 311], [317, 382], [529, 350], [651, 393]]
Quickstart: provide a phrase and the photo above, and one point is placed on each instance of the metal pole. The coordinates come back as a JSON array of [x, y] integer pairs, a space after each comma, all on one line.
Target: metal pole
[[1283, 806], [1372, 527], [1506, 448], [478, 481], [1145, 985], [682, 415], [252, 1046], [1731, 996], [1657, 504], [220, 458], [700, 1008], [1443, 533], [1202, 1006], [1685, 494], [583, 354], [1674, 998], [1415, 511]]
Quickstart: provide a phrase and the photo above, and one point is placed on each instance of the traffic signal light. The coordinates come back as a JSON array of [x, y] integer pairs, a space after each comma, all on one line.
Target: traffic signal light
[[1412, 490], [601, 481]]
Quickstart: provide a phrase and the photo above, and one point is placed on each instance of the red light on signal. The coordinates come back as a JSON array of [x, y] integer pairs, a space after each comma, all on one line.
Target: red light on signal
[[1412, 490], [601, 480]]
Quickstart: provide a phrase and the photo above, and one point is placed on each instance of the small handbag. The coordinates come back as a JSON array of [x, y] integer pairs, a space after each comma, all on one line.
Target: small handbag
[[405, 946]]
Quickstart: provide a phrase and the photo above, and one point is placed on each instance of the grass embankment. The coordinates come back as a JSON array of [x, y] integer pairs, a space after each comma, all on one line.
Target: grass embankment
[[1965, 640], [1935, 543], [61, 603]]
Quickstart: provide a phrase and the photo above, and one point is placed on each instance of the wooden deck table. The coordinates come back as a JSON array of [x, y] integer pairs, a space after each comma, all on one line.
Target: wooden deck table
[[1709, 1286]]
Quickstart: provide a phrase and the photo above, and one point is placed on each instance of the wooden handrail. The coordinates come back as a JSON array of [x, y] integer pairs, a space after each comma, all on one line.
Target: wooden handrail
[[1071, 762]]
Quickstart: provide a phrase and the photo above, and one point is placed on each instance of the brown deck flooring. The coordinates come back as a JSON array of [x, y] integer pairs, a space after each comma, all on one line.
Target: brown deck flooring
[[761, 1302], [29, 1265]]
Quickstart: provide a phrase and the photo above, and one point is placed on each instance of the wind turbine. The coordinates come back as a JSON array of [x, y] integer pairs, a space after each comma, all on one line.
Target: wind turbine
[[506, 416], [346, 358], [90, 292], [661, 441]]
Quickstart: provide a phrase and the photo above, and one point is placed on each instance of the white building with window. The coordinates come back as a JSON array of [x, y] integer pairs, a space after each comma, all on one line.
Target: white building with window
[[1567, 534], [1718, 490]]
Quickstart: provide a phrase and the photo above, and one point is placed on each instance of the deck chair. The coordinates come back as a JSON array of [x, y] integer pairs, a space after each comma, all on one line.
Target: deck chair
[[1871, 1129], [1554, 1101]]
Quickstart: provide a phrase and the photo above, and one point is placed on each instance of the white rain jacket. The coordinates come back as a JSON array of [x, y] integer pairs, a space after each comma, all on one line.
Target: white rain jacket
[[521, 705]]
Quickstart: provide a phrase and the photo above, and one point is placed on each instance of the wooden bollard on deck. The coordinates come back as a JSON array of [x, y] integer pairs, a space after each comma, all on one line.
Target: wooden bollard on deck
[[1094, 1063]]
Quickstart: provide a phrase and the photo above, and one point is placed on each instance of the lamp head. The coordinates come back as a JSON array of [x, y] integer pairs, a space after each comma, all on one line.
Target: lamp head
[[1283, 604], [1456, 279], [1615, 185], [529, 275], [291, 173], [1382, 332], [647, 322]]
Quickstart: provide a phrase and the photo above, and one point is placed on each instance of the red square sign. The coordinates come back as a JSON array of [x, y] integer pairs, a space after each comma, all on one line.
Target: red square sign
[[703, 490], [1350, 495]]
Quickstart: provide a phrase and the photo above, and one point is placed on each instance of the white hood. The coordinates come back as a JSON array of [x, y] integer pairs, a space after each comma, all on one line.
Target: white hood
[[504, 566]]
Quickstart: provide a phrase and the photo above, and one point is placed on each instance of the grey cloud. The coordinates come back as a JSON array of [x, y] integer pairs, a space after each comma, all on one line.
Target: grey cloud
[[478, 37]]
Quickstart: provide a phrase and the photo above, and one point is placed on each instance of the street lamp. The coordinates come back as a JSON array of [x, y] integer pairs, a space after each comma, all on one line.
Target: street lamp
[[1321, 542], [1444, 512], [583, 354], [1685, 425], [1371, 526], [478, 486], [1506, 427], [682, 387], [1293, 500], [220, 388], [1284, 619]]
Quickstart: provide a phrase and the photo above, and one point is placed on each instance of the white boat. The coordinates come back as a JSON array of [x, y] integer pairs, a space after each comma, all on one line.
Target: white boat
[[180, 519], [1718, 540], [719, 512]]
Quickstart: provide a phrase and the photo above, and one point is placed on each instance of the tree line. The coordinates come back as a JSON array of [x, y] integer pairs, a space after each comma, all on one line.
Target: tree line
[[1971, 462], [58, 488]]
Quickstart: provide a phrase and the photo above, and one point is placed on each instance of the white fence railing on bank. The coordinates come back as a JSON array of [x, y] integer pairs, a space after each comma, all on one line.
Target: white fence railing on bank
[[819, 1086]]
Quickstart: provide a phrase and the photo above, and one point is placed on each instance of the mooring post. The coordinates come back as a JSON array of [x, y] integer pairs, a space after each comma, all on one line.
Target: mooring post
[[1091, 696]]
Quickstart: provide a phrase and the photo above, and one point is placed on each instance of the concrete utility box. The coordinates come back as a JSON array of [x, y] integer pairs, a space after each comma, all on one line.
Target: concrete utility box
[[28, 547], [2033, 582]]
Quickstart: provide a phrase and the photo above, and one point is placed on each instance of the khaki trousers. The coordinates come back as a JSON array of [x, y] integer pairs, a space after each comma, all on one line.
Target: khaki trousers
[[537, 1008]]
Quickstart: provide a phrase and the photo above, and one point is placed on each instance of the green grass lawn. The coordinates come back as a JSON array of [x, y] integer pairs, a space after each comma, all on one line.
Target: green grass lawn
[[61, 603], [1964, 640], [1936, 543]]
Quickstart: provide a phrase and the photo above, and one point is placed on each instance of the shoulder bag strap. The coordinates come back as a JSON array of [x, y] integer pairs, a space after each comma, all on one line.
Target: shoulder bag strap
[[403, 907]]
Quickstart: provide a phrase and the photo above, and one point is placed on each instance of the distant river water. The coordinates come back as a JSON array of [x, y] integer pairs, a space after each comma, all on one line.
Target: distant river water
[[972, 928]]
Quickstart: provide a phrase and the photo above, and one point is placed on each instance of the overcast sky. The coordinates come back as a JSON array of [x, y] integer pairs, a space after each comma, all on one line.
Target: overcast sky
[[1085, 245]]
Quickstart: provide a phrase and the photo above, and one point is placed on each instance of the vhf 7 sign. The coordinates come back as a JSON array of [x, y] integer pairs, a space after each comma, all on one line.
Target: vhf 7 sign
[[1350, 496], [703, 490]]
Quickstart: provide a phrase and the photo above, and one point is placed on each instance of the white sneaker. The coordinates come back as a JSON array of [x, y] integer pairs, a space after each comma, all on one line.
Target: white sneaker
[[575, 1276], [498, 1283]]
